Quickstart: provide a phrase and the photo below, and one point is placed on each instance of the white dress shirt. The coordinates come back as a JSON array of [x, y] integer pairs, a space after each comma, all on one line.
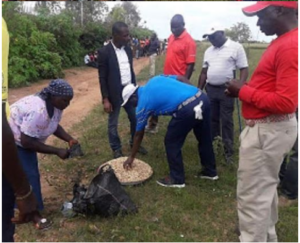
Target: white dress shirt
[[222, 61], [123, 64]]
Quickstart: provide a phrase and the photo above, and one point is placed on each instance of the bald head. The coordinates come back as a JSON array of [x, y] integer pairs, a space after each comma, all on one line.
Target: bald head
[[177, 25]]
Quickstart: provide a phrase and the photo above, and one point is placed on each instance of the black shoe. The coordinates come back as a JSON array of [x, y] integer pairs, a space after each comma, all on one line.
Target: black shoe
[[141, 150], [118, 153], [204, 175], [169, 182]]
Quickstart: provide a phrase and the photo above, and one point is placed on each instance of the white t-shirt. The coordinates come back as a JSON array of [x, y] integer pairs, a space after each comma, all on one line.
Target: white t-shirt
[[222, 61], [86, 59], [124, 65]]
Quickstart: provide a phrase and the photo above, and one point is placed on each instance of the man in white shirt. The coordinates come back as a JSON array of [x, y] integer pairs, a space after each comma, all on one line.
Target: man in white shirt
[[115, 72], [219, 64], [87, 59]]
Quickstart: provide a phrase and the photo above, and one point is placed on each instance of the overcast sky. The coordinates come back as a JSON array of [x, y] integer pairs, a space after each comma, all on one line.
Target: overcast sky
[[199, 16]]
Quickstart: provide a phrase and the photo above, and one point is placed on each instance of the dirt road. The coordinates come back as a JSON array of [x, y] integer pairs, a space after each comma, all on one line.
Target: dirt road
[[85, 83]]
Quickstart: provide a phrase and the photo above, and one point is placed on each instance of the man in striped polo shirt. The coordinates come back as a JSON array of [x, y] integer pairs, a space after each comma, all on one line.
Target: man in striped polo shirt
[[220, 62]]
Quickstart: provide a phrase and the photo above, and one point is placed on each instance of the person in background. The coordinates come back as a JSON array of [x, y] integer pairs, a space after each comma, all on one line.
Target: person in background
[[190, 110], [142, 47], [115, 72], [87, 59], [32, 120], [153, 48], [180, 58], [269, 101], [15, 185], [220, 62]]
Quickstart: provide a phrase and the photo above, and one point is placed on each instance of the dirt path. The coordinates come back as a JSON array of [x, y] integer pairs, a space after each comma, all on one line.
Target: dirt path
[[86, 89]]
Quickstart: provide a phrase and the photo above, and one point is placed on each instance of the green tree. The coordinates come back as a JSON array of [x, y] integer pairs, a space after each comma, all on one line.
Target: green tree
[[239, 32], [132, 15], [91, 11]]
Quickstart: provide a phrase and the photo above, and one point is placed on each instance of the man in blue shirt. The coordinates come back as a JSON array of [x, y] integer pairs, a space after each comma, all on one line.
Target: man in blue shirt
[[189, 108]]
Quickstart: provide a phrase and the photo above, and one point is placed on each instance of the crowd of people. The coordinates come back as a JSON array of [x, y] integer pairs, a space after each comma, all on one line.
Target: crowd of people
[[269, 103]]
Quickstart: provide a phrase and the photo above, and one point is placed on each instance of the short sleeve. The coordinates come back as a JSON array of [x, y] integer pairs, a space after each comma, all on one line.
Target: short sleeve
[[190, 52], [241, 60]]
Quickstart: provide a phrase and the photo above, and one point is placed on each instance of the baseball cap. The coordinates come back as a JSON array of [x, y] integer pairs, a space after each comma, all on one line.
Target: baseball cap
[[128, 90], [261, 5], [213, 29]]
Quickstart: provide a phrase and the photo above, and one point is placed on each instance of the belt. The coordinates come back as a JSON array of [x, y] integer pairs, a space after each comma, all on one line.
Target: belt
[[217, 86], [189, 100], [269, 119]]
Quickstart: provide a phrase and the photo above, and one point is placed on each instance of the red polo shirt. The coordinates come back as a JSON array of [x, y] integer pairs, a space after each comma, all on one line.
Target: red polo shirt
[[181, 52], [273, 87]]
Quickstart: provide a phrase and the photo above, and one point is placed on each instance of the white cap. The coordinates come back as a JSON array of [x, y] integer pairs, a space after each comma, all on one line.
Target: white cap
[[128, 90], [213, 29]]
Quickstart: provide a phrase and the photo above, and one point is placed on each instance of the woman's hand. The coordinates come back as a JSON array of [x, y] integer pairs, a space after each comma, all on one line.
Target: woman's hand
[[72, 142], [63, 153]]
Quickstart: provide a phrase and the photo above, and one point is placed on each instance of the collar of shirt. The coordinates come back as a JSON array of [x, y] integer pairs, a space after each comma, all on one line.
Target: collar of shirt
[[226, 44], [116, 48], [183, 34]]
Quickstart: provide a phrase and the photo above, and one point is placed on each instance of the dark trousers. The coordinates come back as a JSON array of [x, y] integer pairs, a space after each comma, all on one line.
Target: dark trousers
[[8, 202], [182, 122], [221, 116], [289, 174], [29, 161], [113, 118]]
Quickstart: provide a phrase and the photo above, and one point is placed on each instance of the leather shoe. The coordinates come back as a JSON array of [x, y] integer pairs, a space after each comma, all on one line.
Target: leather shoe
[[118, 153]]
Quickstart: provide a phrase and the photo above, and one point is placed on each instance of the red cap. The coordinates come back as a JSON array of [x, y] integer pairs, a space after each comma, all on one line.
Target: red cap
[[255, 8]]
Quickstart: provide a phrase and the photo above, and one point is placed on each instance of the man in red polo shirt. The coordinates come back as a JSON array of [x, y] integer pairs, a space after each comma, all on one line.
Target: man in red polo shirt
[[180, 58], [270, 100], [181, 53]]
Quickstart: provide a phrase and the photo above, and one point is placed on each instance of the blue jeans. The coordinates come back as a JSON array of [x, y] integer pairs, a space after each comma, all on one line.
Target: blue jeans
[[182, 122], [113, 136], [8, 202], [29, 161]]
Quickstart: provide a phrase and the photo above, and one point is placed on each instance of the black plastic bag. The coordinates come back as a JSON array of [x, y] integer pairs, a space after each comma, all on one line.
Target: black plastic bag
[[104, 196]]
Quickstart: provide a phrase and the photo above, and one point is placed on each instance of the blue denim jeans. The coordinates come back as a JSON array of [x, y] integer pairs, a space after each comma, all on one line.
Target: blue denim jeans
[[113, 136], [182, 122], [29, 161], [8, 202]]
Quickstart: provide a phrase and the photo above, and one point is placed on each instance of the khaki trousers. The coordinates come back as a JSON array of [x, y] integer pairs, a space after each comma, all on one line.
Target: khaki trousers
[[152, 64], [262, 149]]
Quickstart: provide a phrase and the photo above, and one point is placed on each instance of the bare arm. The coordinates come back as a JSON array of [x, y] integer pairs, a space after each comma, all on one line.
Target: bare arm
[[202, 78], [138, 138], [62, 134], [35, 145], [11, 166], [189, 70], [244, 74]]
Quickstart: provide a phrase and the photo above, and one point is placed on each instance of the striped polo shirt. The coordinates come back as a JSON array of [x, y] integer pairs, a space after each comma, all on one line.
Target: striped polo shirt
[[222, 61]]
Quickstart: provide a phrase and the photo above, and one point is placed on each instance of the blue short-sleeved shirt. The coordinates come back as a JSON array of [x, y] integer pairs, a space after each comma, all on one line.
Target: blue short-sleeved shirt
[[161, 96]]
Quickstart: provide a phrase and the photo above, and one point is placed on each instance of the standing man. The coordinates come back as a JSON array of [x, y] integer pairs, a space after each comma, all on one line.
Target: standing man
[[180, 58], [220, 61], [115, 72], [270, 100], [153, 47], [190, 110]]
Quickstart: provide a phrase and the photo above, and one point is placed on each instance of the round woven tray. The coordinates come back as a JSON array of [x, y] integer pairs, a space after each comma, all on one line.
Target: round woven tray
[[139, 172]]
